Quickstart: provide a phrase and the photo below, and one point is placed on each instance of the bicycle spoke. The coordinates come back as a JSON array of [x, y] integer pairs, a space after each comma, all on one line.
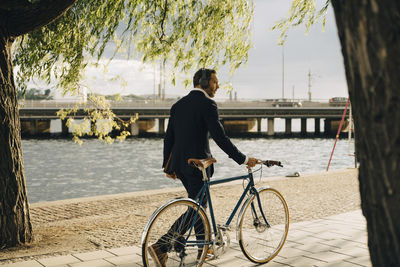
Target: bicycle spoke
[[170, 234], [258, 242]]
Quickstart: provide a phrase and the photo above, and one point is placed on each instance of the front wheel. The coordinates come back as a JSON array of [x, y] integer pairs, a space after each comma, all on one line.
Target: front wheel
[[170, 239], [263, 225]]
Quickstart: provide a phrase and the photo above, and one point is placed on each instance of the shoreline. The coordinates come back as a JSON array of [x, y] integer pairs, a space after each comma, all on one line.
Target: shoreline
[[164, 190], [277, 135], [109, 221]]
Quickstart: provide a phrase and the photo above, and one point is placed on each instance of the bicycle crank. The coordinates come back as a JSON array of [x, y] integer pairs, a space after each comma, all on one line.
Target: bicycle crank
[[222, 241]]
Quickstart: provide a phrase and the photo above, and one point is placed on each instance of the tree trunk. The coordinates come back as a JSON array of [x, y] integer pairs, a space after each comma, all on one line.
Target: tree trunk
[[369, 32], [17, 17], [15, 226]]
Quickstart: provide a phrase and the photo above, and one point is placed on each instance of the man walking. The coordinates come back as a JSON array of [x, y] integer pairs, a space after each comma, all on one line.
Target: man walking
[[192, 119]]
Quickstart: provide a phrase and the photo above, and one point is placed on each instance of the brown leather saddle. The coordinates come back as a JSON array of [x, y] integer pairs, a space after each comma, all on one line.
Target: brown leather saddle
[[201, 163]]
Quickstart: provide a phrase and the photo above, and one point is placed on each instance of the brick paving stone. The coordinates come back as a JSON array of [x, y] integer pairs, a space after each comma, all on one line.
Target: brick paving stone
[[339, 243], [362, 246], [92, 263], [319, 229], [292, 252], [125, 250], [299, 225], [59, 260], [353, 251], [308, 240], [87, 256], [235, 248], [118, 260], [277, 258], [356, 241], [131, 265], [298, 234], [328, 256], [30, 263], [315, 247], [363, 261], [347, 233], [291, 243], [338, 263], [274, 264], [230, 261], [330, 235], [300, 261], [356, 226]]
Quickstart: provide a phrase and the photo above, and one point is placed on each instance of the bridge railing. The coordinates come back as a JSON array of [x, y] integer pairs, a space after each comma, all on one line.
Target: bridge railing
[[156, 103]]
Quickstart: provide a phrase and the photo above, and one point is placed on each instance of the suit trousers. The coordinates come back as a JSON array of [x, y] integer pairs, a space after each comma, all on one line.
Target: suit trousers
[[193, 183]]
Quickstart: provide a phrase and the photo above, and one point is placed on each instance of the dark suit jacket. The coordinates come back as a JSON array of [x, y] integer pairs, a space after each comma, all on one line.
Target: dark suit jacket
[[192, 119]]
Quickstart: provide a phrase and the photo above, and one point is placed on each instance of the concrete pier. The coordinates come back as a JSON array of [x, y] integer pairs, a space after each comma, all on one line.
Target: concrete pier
[[271, 129], [303, 126], [317, 126], [161, 125], [135, 128], [35, 127], [288, 126], [258, 125], [240, 125], [327, 126], [64, 127]]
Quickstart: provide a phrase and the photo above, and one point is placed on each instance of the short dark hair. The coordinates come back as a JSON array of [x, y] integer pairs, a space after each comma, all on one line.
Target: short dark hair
[[199, 73]]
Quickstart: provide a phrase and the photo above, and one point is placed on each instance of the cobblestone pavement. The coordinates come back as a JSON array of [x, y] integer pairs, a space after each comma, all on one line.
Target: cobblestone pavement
[[338, 240]]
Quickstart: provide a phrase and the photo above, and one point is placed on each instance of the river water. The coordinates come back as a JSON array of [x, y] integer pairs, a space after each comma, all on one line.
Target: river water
[[59, 169]]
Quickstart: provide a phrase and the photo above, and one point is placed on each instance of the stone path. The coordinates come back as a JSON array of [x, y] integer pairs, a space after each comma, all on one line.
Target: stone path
[[339, 240]]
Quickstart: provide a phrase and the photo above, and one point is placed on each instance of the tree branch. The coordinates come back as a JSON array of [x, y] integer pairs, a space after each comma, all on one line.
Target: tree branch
[[163, 20], [22, 20]]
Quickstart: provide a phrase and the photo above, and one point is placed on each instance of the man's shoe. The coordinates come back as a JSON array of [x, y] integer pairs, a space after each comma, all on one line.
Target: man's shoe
[[209, 256], [159, 257]]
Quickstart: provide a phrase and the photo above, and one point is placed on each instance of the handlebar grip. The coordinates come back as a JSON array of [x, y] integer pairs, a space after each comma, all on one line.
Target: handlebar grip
[[270, 163]]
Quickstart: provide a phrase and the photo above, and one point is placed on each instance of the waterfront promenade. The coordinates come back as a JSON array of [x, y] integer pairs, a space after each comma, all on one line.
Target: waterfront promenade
[[326, 228]]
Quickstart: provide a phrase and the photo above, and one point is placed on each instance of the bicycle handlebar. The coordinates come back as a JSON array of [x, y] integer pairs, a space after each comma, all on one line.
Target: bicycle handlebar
[[270, 163]]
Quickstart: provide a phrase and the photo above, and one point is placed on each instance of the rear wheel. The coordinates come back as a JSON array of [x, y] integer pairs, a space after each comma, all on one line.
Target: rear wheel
[[169, 228], [261, 241]]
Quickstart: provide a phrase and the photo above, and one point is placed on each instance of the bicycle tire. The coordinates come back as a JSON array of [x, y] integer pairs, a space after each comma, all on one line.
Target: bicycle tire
[[158, 228], [258, 242]]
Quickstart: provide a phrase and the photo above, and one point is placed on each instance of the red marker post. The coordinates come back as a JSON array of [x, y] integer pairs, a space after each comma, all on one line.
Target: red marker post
[[338, 132]]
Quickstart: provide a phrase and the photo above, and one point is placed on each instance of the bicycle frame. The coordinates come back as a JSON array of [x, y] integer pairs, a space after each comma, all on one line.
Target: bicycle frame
[[205, 191]]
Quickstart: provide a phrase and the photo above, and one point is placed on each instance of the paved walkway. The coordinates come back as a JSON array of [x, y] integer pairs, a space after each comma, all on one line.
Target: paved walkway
[[339, 240]]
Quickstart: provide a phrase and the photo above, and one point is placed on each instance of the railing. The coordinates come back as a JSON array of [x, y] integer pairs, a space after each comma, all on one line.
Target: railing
[[157, 103]]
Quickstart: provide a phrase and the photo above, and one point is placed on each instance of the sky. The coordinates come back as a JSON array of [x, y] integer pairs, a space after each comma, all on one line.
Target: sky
[[317, 52]]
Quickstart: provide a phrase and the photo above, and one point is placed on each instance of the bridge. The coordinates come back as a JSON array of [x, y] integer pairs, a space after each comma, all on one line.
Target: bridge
[[237, 116]]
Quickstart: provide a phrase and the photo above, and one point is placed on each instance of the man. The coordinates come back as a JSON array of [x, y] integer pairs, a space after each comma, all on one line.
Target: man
[[192, 119]]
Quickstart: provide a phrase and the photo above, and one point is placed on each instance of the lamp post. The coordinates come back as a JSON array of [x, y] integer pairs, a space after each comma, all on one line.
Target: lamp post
[[283, 71]]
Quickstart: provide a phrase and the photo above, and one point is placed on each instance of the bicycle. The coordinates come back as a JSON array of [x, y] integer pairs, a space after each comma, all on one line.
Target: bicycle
[[262, 225]]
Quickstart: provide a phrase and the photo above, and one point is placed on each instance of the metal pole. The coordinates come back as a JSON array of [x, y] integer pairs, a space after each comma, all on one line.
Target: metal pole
[[309, 85], [154, 84], [350, 128], [283, 71], [163, 91], [293, 94], [338, 132]]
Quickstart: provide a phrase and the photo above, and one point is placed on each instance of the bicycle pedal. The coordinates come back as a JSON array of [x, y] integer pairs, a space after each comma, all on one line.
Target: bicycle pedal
[[224, 227]]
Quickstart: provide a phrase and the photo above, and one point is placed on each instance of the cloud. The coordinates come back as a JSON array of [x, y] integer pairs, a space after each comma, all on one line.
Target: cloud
[[120, 76]]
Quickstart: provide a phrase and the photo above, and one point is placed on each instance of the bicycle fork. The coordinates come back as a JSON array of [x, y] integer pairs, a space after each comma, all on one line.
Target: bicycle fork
[[256, 219]]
